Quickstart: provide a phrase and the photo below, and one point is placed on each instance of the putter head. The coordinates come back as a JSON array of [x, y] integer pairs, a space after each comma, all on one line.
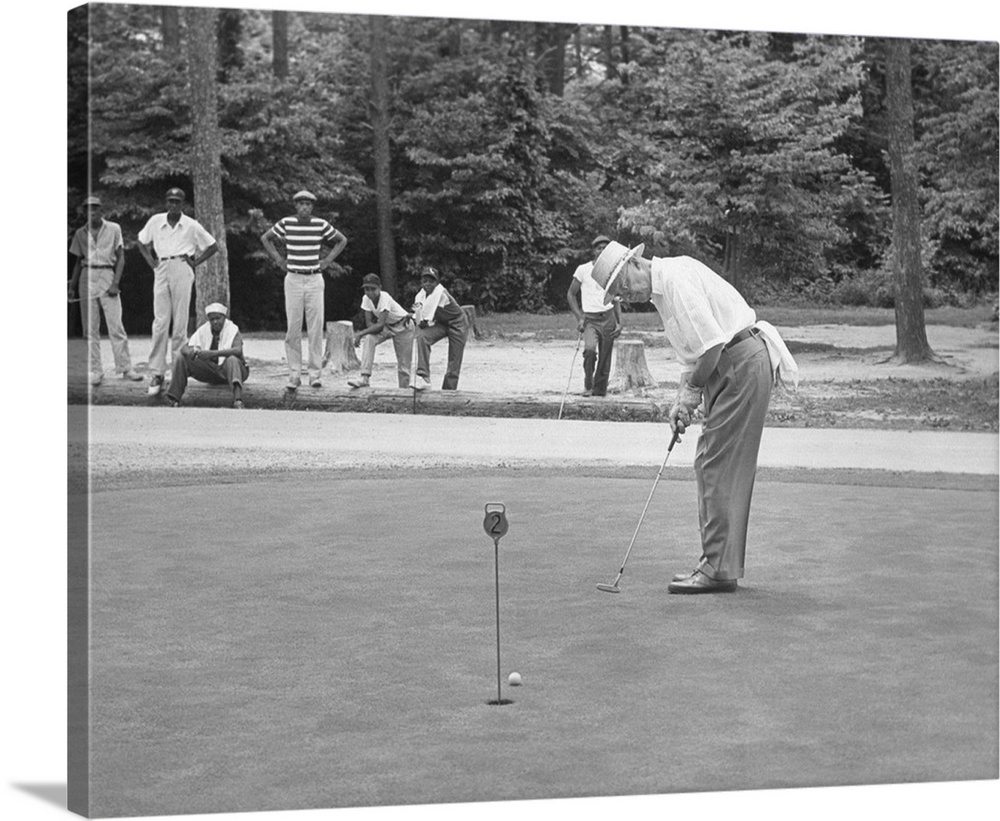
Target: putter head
[[609, 588]]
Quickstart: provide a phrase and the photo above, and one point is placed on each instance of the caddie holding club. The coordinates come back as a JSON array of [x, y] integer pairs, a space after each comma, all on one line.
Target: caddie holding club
[[730, 361]]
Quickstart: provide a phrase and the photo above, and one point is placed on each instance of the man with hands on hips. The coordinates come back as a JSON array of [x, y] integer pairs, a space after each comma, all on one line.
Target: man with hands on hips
[[730, 361], [173, 245]]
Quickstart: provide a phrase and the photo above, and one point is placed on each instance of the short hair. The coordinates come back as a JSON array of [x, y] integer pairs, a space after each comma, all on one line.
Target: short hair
[[372, 279]]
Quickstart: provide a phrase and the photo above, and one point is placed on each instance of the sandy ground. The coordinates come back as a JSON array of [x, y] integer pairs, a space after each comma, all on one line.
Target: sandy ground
[[512, 366]]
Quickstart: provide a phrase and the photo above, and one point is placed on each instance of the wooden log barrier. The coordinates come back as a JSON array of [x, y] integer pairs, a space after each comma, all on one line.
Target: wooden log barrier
[[269, 394], [630, 370], [340, 356]]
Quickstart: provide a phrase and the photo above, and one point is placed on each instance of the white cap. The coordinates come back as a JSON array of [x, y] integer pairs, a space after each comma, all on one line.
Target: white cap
[[216, 308]]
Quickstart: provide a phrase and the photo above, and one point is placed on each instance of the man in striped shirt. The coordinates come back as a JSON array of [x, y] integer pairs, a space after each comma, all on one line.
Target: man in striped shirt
[[304, 236]]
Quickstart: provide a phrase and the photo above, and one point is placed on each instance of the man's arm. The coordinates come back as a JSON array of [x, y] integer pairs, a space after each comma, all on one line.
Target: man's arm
[[339, 241], [374, 323], [236, 350], [266, 240], [692, 383], [74, 279], [573, 302], [208, 253], [119, 268], [146, 249]]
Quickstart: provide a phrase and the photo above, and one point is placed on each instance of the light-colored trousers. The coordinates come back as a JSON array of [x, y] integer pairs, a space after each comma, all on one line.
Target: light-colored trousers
[[402, 340], [94, 284], [173, 280], [736, 398], [304, 299]]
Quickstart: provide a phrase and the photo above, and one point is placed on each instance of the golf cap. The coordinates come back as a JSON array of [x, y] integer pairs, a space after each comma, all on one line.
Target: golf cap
[[431, 273], [372, 279], [91, 201], [611, 261], [599, 239], [176, 194], [216, 308], [304, 195]]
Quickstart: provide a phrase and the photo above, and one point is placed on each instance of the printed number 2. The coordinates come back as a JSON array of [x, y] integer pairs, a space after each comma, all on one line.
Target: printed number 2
[[495, 523]]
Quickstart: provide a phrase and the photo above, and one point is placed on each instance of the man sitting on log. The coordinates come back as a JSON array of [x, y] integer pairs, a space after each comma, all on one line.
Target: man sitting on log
[[385, 319], [218, 338], [438, 315]]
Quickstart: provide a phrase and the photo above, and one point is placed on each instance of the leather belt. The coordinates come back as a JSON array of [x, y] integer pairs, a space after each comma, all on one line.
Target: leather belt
[[307, 273], [88, 265], [177, 256], [742, 336]]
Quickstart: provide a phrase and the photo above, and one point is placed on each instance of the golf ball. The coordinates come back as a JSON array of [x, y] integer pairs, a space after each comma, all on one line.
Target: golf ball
[[514, 679]]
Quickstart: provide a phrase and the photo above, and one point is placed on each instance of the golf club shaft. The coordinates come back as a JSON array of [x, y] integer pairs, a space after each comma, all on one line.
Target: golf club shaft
[[572, 364], [649, 498]]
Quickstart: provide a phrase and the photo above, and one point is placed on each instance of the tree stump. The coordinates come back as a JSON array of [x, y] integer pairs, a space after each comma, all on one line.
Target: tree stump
[[630, 370], [470, 315], [339, 355]]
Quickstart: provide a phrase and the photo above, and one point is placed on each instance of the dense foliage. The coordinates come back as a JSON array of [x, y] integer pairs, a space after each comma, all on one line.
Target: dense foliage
[[512, 144]]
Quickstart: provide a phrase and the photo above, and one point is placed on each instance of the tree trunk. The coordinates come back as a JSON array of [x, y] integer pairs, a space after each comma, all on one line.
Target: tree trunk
[[211, 277], [279, 34], [630, 371], [339, 355], [170, 27], [380, 155], [471, 330], [911, 332], [611, 66], [625, 52]]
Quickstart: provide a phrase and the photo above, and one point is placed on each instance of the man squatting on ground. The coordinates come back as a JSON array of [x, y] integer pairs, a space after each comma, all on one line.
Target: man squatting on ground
[[180, 245], [304, 236], [600, 324], [97, 272], [438, 315], [217, 339], [384, 319], [730, 361]]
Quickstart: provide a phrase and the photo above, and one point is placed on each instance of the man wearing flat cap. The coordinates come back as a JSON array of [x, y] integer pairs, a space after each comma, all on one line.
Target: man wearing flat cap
[[213, 354], [304, 237], [173, 245], [437, 315], [97, 273], [729, 362], [599, 323]]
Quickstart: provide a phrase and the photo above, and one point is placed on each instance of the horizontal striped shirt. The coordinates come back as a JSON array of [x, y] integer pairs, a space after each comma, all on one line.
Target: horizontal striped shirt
[[303, 241]]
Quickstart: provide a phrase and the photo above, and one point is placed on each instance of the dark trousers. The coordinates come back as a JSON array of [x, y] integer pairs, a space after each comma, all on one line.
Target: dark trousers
[[232, 371], [598, 342], [725, 464], [456, 330]]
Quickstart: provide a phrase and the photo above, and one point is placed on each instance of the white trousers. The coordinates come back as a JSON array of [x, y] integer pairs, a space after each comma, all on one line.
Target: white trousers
[[304, 300], [173, 280], [94, 284]]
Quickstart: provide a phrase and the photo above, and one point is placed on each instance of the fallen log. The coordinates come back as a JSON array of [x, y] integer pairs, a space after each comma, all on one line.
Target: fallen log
[[272, 396]]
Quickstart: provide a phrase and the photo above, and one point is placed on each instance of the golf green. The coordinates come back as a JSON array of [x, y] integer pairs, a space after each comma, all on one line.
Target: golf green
[[320, 640]]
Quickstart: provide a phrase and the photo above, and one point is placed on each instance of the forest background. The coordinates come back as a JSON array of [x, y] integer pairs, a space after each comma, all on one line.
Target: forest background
[[495, 150]]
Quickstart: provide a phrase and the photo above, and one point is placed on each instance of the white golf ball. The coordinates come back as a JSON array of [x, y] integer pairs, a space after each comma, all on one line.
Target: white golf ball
[[514, 679]]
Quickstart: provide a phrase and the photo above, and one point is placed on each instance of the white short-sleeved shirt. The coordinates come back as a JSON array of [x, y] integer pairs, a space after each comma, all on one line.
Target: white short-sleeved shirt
[[100, 249], [425, 305], [396, 312], [186, 237], [699, 308], [591, 294]]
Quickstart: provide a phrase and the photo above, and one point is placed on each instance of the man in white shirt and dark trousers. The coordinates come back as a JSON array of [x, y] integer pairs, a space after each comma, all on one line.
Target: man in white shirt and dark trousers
[[213, 354], [599, 323], [730, 361], [437, 315], [173, 245], [385, 319]]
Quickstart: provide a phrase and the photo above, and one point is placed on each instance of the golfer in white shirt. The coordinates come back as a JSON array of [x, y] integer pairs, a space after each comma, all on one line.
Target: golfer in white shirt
[[730, 361]]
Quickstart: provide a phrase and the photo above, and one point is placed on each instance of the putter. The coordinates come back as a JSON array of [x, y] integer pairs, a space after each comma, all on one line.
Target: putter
[[579, 339], [613, 587]]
